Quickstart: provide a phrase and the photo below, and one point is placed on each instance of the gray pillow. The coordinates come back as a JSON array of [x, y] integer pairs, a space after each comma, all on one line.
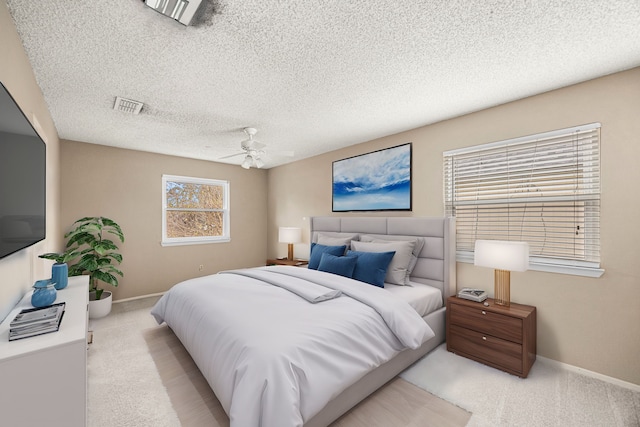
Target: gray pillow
[[382, 238], [397, 273], [335, 239]]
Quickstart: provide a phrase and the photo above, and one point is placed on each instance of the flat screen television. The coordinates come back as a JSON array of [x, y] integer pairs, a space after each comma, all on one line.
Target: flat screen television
[[22, 179]]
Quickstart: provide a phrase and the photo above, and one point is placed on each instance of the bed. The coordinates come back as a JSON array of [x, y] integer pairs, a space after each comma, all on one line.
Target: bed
[[307, 363]]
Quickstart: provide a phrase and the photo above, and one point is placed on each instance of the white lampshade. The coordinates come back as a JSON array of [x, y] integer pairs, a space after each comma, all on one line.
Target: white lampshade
[[502, 255], [289, 235]]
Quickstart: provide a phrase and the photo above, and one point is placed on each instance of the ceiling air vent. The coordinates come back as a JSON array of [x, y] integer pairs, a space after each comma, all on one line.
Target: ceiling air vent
[[127, 105], [180, 10]]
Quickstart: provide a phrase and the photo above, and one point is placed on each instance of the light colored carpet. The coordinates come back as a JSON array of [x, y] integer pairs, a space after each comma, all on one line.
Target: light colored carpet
[[549, 396], [125, 388]]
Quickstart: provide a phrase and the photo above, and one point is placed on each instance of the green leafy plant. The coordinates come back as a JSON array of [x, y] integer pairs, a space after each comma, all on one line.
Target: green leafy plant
[[61, 258], [97, 253]]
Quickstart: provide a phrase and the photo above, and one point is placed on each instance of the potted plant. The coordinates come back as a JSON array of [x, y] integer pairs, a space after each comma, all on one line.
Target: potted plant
[[60, 270], [98, 254]]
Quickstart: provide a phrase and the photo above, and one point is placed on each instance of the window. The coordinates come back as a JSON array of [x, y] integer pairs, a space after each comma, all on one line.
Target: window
[[194, 210], [543, 189]]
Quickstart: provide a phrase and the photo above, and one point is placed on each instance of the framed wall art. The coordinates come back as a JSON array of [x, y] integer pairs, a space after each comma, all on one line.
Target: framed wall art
[[376, 181]]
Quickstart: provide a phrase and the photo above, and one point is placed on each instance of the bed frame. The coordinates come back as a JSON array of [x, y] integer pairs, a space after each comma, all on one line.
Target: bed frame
[[436, 267]]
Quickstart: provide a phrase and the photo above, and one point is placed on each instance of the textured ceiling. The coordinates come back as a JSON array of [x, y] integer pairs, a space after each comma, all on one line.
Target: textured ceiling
[[311, 76]]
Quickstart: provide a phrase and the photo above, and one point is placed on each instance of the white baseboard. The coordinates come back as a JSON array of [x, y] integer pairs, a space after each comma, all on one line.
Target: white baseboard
[[159, 294], [591, 374]]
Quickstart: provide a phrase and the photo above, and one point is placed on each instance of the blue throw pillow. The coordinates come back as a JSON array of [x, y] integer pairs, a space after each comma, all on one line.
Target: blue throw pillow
[[342, 265], [371, 267], [317, 251]]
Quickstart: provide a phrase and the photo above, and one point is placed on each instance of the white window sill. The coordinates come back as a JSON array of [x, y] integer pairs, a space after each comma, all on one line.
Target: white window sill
[[550, 268], [194, 242]]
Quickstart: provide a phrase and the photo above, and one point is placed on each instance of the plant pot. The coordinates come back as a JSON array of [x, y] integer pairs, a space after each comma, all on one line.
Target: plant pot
[[99, 308]]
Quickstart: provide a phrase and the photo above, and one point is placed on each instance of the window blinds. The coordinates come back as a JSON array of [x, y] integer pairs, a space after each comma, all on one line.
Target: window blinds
[[543, 189]]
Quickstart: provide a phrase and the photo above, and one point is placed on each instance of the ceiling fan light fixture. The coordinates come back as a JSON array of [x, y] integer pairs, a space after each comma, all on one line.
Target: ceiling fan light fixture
[[246, 163], [252, 151]]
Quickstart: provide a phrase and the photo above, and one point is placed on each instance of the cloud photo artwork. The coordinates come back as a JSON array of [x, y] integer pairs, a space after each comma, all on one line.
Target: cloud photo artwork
[[380, 180]]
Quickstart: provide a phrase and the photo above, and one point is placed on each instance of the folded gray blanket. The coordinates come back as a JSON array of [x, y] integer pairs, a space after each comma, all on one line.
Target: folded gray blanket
[[310, 291]]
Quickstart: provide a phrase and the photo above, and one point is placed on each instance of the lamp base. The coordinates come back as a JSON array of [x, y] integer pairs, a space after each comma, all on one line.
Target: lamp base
[[290, 252], [501, 289]]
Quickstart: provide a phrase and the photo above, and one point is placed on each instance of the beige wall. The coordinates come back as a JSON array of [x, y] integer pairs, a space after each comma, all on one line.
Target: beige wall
[[18, 271], [126, 186], [589, 323]]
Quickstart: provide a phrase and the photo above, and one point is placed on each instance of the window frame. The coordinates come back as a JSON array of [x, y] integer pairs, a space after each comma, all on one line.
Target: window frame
[[588, 268], [226, 227]]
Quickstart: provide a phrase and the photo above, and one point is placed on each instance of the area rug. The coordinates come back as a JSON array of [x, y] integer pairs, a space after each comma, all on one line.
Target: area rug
[[549, 396]]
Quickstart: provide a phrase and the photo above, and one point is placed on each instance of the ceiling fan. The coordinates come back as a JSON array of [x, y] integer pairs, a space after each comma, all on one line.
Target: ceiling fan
[[253, 151]]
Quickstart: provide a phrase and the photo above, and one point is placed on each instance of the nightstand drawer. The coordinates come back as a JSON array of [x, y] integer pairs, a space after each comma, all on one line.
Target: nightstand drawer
[[487, 322], [489, 349]]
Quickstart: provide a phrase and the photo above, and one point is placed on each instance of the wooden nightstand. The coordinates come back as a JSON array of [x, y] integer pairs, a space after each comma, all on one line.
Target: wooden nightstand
[[501, 337], [294, 262]]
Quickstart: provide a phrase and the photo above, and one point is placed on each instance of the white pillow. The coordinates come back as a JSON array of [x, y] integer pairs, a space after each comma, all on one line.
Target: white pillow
[[397, 272]]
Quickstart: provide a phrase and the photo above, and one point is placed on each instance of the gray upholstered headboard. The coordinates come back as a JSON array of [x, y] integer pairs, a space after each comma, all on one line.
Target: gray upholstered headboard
[[436, 264]]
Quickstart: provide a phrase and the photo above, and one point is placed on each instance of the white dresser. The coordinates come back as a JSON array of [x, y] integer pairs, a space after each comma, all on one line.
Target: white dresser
[[43, 379]]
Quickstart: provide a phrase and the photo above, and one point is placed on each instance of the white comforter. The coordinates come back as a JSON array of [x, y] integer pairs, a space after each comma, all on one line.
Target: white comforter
[[274, 359]]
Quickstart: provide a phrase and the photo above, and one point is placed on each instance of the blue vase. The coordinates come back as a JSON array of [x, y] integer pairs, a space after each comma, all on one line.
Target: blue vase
[[60, 275], [44, 293]]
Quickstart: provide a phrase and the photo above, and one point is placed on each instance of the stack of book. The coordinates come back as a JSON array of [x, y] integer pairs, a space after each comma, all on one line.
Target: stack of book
[[36, 321]]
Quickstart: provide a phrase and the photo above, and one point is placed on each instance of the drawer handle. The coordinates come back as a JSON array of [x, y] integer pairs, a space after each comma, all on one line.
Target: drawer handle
[[484, 338], [484, 312]]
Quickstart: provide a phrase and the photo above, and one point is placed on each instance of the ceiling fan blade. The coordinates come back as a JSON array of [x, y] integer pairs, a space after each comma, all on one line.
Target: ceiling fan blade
[[232, 155]]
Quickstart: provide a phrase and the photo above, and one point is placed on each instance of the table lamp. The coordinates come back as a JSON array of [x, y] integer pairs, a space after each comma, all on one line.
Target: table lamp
[[504, 257], [290, 235]]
